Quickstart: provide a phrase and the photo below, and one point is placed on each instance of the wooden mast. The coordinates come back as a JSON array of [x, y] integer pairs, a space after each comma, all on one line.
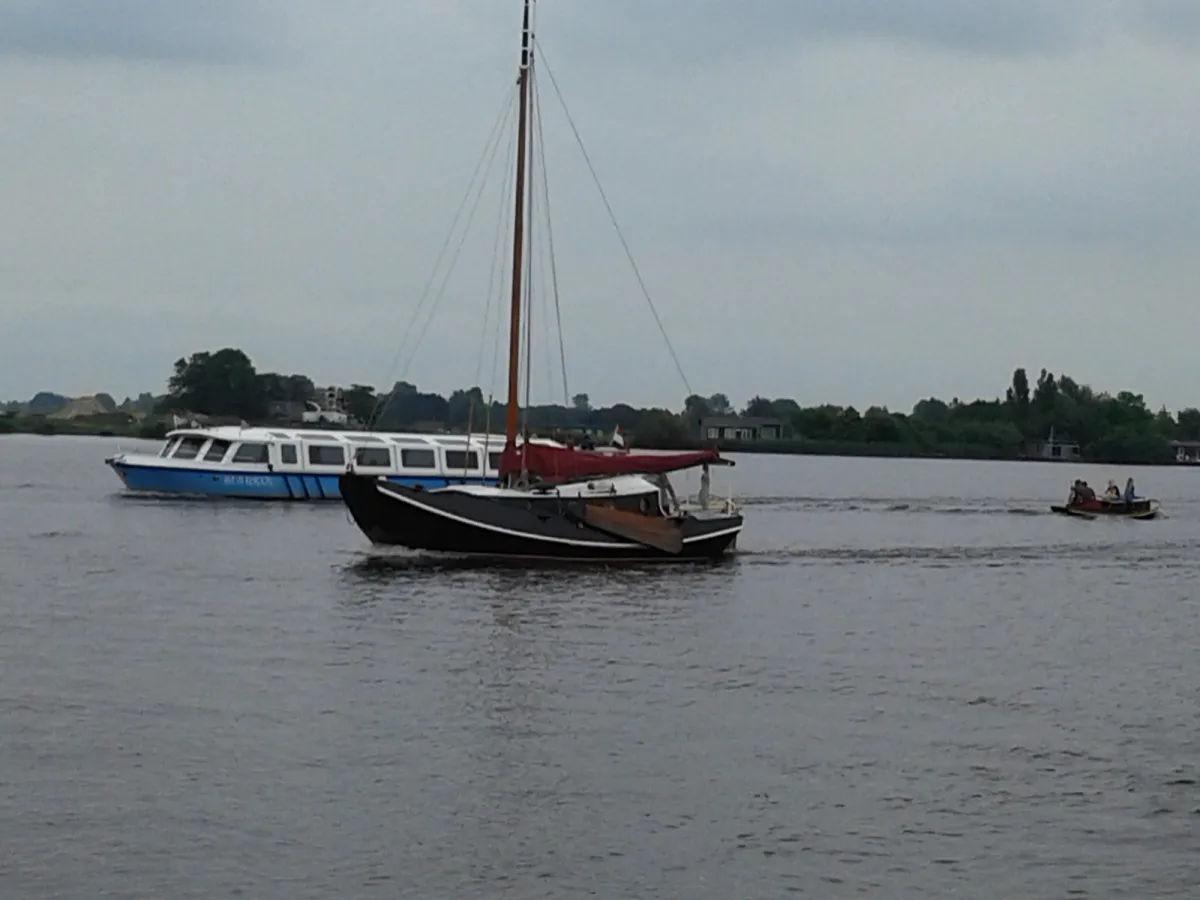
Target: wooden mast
[[514, 333]]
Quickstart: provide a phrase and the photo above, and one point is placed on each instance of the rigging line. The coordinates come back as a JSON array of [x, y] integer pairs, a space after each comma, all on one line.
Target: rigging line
[[612, 217], [485, 159], [562, 352], [536, 199], [497, 129], [499, 285], [495, 270], [450, 269], [544, 316], [496, 280]]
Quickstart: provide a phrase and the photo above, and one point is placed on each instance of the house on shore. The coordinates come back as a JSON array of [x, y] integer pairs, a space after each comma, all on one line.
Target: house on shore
[[1187, 452], [1055, 448], [739, 428]]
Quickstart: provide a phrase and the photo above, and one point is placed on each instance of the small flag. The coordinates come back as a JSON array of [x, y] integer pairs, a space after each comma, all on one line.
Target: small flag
[[618, 439]]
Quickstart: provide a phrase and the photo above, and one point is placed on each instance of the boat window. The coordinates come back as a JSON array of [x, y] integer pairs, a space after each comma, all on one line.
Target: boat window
[[323, 455], [217, 451], [189, 447], [459, 459], [379, 457], [418, 459], [494, 461], [251, 453], [169, 446], [287, 454]]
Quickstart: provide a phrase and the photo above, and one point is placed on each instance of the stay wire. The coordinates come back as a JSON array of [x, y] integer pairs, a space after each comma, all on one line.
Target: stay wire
[[612, 217]]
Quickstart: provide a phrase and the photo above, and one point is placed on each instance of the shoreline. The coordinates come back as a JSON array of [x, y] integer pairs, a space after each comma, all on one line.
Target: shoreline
[[156, 431]]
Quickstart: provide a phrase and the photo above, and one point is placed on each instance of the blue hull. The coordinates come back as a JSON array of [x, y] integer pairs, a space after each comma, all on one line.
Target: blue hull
[[255, 485]]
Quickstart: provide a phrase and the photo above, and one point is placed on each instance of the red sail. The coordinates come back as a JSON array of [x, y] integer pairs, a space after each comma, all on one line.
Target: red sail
[[552, 463]]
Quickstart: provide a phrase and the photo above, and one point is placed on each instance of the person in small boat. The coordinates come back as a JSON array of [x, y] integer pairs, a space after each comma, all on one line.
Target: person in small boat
[[1130, 491], [1086, 493], [1112, 492]]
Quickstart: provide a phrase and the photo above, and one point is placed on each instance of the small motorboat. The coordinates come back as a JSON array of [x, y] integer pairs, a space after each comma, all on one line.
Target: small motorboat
[[1138, 508]]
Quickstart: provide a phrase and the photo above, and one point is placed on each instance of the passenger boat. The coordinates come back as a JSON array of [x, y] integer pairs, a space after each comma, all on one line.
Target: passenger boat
[[554, 502], [290, 464], [1139, 508]]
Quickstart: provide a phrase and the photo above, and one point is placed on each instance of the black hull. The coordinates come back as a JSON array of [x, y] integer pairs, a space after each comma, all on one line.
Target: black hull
[[541, 528]]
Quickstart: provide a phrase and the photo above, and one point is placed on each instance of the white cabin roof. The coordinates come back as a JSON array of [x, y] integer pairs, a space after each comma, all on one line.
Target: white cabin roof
[[273, 435]]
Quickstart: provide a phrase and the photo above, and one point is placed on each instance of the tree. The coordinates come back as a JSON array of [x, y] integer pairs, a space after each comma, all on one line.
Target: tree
[[760, 406], [719, 404], [1018, 394], [361, 402], [1018, 399], [467, 408], [881, 427], [696, 407], [287, 388], [1045, 392], [785, 407], [932, 410], [218, 384], [817, 423], [1188, 428], [581, 402]]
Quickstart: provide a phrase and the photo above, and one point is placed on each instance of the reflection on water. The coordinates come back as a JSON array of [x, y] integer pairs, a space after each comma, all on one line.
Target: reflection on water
[[387, 564], [910, 682]]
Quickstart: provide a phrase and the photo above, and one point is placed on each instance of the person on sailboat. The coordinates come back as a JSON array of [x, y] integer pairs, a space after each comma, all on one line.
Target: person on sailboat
[[666, 494], [705, 484]]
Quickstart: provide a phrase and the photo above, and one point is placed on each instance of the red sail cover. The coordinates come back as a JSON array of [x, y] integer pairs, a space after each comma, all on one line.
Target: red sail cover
[[567, 463]]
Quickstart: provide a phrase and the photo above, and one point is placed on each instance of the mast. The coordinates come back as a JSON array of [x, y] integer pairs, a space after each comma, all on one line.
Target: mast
[[514, 333]]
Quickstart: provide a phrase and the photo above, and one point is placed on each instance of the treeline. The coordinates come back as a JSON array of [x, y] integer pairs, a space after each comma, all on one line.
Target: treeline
[[1107, 427], [1110, 428]]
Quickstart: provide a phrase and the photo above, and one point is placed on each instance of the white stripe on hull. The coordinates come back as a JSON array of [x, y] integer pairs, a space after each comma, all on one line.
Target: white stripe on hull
[[387, 490]]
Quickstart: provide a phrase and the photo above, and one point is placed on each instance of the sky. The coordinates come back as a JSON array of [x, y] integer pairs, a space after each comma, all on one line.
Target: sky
[[848, 201]]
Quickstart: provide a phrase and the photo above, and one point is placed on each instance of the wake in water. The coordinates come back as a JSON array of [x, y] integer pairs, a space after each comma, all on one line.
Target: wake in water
[[947, 506], [942, 506], [1094, 555]]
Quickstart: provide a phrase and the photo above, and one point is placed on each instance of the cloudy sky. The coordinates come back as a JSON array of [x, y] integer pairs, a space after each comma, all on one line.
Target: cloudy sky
[[854, 201]]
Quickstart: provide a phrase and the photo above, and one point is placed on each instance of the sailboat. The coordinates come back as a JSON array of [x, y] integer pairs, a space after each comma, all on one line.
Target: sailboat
[[554, 501]]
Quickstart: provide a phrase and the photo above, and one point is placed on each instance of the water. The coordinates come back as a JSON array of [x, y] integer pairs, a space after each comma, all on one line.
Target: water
[[912, 683]]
